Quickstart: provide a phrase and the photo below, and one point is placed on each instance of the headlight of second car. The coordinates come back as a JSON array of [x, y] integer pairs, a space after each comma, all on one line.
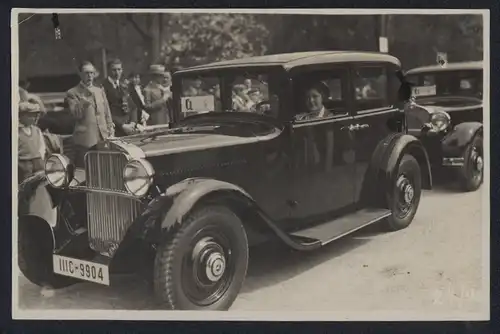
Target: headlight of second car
[[58, 170], [440, 120], [138, 177]]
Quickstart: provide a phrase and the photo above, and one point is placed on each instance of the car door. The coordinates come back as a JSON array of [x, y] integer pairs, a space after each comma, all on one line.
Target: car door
[[375, 114], [323, 152]]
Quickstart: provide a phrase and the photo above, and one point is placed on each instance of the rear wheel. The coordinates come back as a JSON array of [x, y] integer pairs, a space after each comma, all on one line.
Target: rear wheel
[[203, 264], [470, 174], [35, 250], [404, 195]]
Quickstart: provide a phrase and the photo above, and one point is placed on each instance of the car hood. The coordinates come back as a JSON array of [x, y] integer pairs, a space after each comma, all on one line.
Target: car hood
[[451, 103], [162, 141]]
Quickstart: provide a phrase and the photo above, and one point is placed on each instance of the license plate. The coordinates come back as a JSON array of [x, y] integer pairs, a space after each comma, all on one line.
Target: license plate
[[84, 270], [424, 90]]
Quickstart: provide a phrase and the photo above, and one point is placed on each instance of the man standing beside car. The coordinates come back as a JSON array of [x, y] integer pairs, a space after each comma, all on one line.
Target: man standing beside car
[[89, 106], [156, 96], [117, 94]]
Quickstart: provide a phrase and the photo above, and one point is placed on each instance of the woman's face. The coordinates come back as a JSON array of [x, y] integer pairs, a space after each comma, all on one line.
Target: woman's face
[[314, 100], [136, 80]]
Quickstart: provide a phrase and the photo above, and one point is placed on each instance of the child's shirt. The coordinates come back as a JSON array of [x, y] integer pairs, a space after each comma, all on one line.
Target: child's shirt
[[31, 143]]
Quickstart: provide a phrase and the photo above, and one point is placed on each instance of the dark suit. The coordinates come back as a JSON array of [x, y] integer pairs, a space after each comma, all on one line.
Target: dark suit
[[138, 104], [121, 115]]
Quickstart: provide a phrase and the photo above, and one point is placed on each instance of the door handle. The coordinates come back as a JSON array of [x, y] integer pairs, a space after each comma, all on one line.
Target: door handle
[[351, 127], [355, 127]]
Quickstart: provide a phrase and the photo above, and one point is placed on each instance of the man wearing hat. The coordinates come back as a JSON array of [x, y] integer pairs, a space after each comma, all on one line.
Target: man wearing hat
[[156, 96], [31, 143], [89, 106]]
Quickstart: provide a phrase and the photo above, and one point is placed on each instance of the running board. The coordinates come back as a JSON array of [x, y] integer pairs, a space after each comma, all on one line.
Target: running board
[[335, 229]]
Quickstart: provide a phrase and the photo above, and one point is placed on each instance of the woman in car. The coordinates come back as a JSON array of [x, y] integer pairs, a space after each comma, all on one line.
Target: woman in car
[[315, 96]]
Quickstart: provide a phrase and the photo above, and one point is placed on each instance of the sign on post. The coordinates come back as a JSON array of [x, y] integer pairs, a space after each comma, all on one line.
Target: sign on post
[[442, 58]]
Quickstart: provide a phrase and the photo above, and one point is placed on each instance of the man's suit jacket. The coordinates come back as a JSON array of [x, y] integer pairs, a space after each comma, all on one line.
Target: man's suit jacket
[[137, 103], [155, 102], [120, 115], [90, 109]]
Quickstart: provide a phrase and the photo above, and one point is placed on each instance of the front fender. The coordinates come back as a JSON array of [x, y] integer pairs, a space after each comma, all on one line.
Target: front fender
[[455, 142], [408, 144], [35, 199], [383, 166], [185, 194]]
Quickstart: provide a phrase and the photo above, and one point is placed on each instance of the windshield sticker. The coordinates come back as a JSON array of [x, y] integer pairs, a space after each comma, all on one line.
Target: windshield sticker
[[198, 104], [424, 90]]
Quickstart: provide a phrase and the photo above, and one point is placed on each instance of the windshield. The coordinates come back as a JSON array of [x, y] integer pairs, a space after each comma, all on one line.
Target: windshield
[[242, 91], [447, 83]]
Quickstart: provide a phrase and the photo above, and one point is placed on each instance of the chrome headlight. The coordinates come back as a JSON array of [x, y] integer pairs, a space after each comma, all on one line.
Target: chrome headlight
[[138, 177], [58, 170], [440, 120]]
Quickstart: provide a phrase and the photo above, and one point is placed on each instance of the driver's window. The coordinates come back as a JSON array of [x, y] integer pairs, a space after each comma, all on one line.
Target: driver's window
[[320, 95]]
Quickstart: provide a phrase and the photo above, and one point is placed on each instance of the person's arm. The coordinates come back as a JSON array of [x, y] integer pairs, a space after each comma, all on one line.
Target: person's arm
[[76, 106], [154, 105], [111, 123]]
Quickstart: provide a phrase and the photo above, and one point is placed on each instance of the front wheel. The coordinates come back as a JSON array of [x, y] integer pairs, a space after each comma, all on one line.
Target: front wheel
[[203, 264], [404, 195], [35, 250], [470, 174]]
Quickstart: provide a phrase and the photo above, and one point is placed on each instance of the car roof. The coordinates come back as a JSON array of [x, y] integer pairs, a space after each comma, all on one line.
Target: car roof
[[295, 59], [466, 65]]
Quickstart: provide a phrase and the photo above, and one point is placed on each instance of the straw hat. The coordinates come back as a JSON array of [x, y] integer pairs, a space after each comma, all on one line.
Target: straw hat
[[157, 69], [27, 107]]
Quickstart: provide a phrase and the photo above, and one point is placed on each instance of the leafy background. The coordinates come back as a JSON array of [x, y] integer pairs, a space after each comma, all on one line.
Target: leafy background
[[180, 40]]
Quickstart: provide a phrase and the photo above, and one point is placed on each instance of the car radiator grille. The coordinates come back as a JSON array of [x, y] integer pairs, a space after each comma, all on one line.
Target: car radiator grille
[[109, 215]]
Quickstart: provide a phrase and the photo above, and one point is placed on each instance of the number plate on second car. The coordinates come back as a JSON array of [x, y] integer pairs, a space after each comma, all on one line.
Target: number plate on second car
[[84, 270], [424, 90]]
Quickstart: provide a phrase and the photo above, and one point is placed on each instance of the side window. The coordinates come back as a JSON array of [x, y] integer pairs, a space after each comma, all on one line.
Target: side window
[[370, 88], [320, 94]]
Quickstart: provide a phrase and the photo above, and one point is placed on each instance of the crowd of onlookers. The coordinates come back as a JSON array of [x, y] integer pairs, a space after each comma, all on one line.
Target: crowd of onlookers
[[117, 107]]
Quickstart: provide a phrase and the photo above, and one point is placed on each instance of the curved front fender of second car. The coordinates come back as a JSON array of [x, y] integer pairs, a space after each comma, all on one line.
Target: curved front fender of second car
[[456, 141]]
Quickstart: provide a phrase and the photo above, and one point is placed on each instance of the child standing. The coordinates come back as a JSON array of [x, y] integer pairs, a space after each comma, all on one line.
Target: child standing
[[31, 146]]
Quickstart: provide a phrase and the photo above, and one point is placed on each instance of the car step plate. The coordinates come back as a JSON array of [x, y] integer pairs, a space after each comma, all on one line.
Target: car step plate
[[80, 269], [342, 226]]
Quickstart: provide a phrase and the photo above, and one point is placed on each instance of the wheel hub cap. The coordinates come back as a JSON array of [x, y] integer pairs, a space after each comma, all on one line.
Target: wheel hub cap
[[210, 259], [408, 193], [406, 189], [215, 266], [479, 163]]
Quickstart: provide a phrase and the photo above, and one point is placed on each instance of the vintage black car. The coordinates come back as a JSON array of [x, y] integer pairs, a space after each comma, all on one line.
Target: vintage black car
[[321, 153], [447, 116]]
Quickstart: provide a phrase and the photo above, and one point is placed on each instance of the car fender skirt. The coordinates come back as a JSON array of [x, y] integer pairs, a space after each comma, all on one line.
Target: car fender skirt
[[455, 142], [408, 144]]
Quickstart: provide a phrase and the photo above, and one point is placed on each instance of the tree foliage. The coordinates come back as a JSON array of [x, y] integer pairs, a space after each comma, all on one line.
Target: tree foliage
[[180, 40]]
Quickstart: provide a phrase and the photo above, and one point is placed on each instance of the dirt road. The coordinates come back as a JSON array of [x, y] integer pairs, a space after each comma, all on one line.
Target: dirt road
[[434, 265]]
